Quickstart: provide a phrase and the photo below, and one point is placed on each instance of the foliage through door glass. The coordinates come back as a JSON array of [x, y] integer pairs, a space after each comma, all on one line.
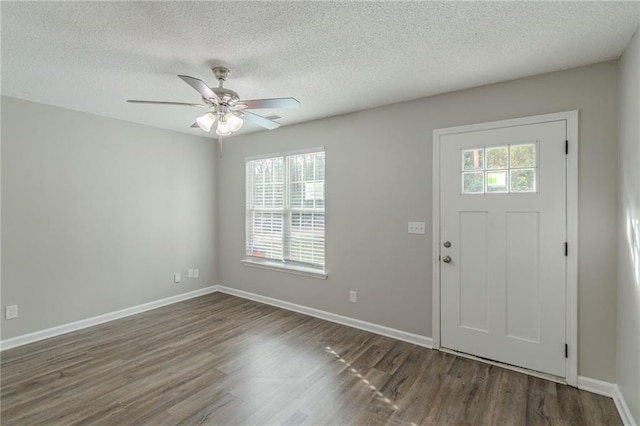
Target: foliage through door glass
[[500, 169]]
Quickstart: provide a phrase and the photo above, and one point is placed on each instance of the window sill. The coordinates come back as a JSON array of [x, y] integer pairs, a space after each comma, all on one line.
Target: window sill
[[287, 268]]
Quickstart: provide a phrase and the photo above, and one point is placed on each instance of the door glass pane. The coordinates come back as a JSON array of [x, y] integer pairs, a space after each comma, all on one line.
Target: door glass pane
[[472, 183], [497, 157], [500, 169], [523, 180], [523, 156], [497, 181], [473, 159]]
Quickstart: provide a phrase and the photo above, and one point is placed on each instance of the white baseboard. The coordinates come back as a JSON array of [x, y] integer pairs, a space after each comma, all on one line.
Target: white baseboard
[[611, 390], [78, 325], [351, 322], [416, 339], [596, 386], [623, 408]]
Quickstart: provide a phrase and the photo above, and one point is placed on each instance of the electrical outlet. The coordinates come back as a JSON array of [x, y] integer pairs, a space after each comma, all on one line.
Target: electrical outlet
[[190, 273], [196, 273], [416, 228], [353, 296], [177, 277], [11, 312]]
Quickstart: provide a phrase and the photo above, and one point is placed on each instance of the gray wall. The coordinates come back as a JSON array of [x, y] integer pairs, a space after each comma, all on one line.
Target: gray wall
[[628, 344], [97, 214], [379, 177]]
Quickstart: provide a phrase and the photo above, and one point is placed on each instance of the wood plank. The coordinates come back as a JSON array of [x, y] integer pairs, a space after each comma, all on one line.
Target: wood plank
[[220, 360]]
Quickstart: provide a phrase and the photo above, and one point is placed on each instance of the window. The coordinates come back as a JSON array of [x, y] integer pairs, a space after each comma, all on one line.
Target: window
[[500, 169], [285, 212]]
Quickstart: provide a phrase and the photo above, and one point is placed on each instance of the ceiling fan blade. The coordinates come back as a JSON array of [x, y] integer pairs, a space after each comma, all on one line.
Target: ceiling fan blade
[[200, 86], [271, 103], [260, 121], [134, 101]]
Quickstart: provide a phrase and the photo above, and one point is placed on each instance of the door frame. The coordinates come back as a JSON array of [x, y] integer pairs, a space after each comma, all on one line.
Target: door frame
[[571, 117]]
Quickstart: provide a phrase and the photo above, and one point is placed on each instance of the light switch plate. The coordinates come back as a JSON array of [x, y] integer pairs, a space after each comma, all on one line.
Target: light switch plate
[[416, 228], [177, 277]]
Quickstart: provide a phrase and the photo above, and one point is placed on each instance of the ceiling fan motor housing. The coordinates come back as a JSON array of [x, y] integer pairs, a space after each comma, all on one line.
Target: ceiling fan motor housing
[[227, 96]]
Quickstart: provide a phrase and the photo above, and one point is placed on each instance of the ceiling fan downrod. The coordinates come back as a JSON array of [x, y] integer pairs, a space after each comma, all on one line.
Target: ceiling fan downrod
[[227, 97]]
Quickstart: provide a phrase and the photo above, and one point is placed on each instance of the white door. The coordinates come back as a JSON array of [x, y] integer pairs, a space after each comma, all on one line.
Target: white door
[[502, 244]]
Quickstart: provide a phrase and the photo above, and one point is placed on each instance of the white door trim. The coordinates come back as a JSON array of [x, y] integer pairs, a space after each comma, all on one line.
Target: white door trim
[[571, 118]]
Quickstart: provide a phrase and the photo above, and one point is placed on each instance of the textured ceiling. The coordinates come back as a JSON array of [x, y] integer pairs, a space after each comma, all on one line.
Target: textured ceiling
[[334, 57]]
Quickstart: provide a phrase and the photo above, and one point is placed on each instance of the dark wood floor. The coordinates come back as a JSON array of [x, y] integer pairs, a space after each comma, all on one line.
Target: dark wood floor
[[222, 360]]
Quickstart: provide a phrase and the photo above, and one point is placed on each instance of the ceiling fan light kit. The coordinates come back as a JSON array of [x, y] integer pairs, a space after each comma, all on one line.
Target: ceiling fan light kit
[[226, 107], [223, 128], [206, 121]]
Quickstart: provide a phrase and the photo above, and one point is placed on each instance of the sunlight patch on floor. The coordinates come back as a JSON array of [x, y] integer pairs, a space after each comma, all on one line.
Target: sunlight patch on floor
[[359, 375]]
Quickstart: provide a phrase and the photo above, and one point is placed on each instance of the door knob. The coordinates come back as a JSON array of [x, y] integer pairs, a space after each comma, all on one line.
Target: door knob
[[446, 259]]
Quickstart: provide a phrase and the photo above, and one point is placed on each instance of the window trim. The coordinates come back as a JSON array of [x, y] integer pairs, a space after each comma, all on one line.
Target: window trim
[[285, 266], [284, 153]]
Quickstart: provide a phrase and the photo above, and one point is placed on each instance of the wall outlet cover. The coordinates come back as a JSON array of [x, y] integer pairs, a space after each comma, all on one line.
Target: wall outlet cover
[[11, 312]]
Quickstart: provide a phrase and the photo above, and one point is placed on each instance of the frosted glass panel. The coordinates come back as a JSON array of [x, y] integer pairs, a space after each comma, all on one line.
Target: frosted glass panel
[[498, 157], [497, 181], [472, 183], [523, 180], [473, 159], [523, 156], [507, 169]]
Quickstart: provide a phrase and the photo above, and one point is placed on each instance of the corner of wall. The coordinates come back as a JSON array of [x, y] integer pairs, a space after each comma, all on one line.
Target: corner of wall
[[628, 268]]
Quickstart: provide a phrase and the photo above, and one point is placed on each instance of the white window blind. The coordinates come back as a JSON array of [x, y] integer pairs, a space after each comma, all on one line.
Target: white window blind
[[285, 209]]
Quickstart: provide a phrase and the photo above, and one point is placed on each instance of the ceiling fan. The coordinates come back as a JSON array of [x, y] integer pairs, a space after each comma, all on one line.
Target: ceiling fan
[[226, 107]]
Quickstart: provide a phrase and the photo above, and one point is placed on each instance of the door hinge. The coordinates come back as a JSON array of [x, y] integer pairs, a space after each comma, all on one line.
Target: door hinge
[[566, 249], [566, 350], [566, 147]]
